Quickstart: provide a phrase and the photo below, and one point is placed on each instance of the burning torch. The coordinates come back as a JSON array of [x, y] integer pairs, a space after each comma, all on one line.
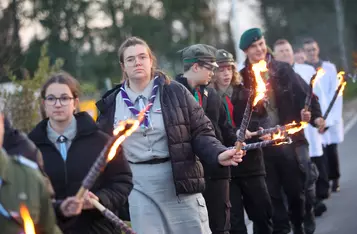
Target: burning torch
[[125, 129], [29, 227], [253, 99], [320, 72], [339, 92], [290, 128]]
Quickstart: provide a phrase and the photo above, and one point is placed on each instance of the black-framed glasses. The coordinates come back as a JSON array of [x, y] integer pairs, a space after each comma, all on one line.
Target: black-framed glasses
[[52, 100], [207, 66]]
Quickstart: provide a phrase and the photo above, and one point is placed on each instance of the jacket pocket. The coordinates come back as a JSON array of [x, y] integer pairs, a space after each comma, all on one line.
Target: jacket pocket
[[202, 209]]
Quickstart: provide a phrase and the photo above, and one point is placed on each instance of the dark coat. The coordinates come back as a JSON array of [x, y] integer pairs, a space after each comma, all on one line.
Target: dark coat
[[290, 92], [112, 187], [215, 111], [17, 143], [189, 133], [253, 163]]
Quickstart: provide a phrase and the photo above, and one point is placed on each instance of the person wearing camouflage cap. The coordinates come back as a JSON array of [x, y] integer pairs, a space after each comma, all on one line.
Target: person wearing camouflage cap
[[199, 61], [287, 166], [247, 186]]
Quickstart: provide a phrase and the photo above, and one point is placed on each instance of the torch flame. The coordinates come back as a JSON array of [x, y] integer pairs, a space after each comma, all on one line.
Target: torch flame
[[341, 81], [320, 73], [259, 67], [290, 124], [28, 224], [296, 129], [278, 135], [121, 127]]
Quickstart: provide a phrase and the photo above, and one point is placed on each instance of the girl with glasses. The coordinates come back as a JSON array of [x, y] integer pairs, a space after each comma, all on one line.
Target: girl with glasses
[[70, 143], [164, 152]]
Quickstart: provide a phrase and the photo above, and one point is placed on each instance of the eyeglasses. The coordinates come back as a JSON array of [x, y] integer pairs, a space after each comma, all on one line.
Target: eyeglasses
[[132, 60], [207, 66], [52, 100]]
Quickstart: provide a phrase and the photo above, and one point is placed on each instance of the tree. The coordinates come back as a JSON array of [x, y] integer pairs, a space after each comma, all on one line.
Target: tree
[[23, 105], [296, 20]]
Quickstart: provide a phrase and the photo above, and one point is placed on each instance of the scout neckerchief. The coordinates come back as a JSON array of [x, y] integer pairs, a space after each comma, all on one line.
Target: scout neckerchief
[[131, 106], [197, 95], [228, 106]]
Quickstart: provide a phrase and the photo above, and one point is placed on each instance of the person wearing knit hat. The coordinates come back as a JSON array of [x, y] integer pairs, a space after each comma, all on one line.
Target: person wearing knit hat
[[286, 165], [199, 64], [247, 187]]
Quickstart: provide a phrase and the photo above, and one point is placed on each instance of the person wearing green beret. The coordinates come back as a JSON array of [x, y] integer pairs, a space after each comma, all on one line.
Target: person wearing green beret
[[286, 165], [248, 188], [199, 64]]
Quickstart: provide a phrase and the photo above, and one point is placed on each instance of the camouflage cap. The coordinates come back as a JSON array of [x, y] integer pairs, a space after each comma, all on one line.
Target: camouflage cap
[[199, 53], [223, 57]]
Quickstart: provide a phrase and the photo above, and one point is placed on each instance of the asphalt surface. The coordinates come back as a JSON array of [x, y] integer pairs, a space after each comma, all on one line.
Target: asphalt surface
[[341, 216]]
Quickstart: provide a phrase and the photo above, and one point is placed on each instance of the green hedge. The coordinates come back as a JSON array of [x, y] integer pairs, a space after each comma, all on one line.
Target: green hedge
[[350, 90]]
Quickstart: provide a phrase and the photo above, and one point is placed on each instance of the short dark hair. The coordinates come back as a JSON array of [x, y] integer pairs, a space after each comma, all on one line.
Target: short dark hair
[[62, 78], [298, 50], [187, 66], [309, 40], [281, 42]]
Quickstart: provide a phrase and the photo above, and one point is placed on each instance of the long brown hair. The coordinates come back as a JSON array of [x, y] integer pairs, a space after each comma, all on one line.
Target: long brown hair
[[62, 78], [132, 41]]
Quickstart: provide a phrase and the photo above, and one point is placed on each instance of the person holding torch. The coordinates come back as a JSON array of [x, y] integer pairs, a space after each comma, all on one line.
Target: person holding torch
[[70, 143], [287, 165], [283, 52], [165, 152], [247, 187], [335, 134]]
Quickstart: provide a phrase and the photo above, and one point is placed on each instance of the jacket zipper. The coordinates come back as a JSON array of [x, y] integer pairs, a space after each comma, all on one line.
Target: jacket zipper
[[165, 124], [65, 165]]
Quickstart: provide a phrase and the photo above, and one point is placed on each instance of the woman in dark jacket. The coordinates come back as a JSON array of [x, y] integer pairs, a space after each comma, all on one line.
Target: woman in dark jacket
[[168, 177], [70, 143]]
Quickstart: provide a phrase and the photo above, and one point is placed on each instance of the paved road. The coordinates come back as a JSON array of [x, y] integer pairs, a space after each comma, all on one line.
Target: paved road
[[341, 216]]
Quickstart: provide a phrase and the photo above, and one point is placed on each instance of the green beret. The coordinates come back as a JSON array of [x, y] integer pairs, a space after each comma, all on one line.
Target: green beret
[[223, 57], [249, 37], [199, 53]]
